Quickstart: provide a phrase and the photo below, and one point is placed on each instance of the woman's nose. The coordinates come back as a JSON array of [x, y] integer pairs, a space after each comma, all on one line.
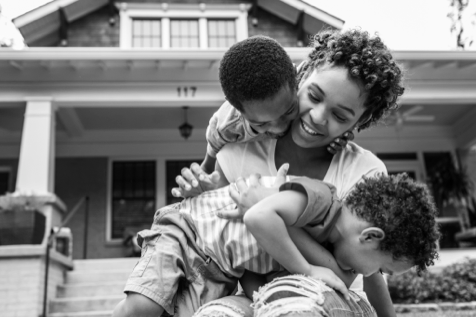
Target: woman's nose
[[318, 115]]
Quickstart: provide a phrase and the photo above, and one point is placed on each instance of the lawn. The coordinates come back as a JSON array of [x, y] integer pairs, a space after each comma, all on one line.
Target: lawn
[[440, 314]]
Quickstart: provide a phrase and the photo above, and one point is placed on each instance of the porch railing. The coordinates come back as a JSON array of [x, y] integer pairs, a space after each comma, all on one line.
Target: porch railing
[[83, 201]]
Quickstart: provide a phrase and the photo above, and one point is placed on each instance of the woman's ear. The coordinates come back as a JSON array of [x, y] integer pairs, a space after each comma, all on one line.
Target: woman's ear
[[372, 235]]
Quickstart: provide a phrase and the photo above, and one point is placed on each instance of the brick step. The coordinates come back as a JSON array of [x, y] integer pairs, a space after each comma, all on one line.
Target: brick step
[[102, 313], [90, 289], [84, 304], [105, 264], [96, 277]]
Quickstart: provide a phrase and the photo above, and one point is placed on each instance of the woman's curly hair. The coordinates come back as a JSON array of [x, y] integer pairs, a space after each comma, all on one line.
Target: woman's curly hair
[[368, 60], [405, 211]]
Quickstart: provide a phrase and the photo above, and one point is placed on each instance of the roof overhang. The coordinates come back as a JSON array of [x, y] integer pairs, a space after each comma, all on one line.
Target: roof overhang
[[314, 19], [42, 24]]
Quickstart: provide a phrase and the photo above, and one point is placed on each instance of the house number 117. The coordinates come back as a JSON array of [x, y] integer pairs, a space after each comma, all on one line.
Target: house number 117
[[185, 91]]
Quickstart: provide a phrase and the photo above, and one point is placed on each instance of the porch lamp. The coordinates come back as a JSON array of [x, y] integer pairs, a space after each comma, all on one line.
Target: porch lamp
[[185, 128]]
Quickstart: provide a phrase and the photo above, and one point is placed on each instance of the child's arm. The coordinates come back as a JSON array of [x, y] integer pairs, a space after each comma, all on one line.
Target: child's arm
[[268, 221], [378, 295]]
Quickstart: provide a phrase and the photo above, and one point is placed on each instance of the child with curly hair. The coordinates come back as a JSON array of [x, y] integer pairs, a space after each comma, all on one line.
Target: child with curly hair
[[387, 225]]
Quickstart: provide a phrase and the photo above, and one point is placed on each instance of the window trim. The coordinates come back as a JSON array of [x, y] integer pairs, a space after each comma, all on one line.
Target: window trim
[[165, 12], [158, 189]]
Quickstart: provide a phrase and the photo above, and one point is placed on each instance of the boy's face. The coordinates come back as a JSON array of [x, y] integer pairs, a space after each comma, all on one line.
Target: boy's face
[[330, 103], [362, 255], [273, 115]]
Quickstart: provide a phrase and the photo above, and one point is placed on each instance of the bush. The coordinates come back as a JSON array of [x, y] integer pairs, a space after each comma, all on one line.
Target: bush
[[455, 283]]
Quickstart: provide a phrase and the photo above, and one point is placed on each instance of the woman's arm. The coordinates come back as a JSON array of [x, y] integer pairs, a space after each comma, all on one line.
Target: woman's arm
[[268, 221]]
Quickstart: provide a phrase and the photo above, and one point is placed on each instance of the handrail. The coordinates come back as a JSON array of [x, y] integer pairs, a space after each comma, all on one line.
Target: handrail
[[49, 244]]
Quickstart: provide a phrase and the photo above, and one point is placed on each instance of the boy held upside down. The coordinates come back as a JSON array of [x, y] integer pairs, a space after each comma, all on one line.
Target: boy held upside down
[[387, 225]]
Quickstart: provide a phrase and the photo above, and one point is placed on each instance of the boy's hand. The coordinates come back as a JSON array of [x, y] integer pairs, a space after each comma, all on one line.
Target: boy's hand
[[339, 143], [246, 195], [194, 181], [330, 278]]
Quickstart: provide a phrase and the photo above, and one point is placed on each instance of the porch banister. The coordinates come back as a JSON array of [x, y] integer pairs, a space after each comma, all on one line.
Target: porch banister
[[37, 151]]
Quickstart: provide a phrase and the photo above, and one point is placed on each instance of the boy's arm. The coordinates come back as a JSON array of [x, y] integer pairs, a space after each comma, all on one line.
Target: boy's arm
[[208, 164], [378, 295], [316, 254], [268, 221]]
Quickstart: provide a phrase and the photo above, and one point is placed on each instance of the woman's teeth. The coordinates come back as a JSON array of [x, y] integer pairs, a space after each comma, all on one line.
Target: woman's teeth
[[307, 129]]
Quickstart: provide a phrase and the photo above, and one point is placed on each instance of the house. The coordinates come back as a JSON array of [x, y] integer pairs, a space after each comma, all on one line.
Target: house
[[114, 77], [93, 107]]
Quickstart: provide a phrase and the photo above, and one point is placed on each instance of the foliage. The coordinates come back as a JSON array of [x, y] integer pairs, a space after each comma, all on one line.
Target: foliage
[[455, 283], [459, 17]]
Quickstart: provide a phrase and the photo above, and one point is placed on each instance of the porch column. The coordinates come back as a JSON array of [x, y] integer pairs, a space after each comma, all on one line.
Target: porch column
[[37, 151]]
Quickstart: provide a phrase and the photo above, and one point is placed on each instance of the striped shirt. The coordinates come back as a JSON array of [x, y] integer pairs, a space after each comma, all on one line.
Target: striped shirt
[[226, 241], [229, 243]]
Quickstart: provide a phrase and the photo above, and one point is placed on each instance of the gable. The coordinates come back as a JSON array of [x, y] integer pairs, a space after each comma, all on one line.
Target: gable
[[47, 25]]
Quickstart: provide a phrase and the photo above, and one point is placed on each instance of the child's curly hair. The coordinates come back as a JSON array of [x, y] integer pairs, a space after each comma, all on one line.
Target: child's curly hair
[[405, 211], [255, 69], [368, 60]]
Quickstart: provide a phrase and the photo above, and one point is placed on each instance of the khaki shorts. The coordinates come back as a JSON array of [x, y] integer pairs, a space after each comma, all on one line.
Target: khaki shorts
[[173, 271]]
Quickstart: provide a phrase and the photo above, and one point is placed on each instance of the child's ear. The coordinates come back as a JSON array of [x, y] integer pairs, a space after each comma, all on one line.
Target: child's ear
[[372, 234]]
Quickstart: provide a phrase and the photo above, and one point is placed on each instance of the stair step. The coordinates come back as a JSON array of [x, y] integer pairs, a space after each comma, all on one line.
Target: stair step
[[105, 264], [90, 289], [84, 304], [97, 313], [95, 277]]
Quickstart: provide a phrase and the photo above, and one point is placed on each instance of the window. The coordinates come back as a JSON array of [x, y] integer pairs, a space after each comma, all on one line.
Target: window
[[184, 33], [221, 33], [146, 33], [133, 195], [173, 169], [169, 25], [4, 182]]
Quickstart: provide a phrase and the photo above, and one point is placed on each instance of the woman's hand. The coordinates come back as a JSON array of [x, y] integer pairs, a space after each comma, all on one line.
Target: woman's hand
[[193, 181], [330, 278], [339, 143], [246, 195]]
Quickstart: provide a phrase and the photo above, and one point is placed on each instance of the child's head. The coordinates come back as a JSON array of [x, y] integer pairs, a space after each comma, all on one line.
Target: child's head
[[368, 63], [259, 79], [402, 231]]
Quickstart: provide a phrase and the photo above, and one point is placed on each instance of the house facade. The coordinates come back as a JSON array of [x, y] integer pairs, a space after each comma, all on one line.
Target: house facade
[[93, 107]]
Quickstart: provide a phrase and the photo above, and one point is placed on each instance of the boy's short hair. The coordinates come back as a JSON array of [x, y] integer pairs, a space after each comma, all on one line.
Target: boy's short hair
[[255, 69], [405, 211], [367, 60]]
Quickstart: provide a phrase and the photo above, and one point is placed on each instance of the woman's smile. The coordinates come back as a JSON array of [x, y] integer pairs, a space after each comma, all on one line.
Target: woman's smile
[[313, 131]]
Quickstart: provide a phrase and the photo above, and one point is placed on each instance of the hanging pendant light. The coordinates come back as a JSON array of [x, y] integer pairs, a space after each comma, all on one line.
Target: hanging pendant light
[[185, 128]]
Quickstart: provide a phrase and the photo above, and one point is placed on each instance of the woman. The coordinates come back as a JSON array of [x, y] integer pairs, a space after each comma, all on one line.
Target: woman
[[350, 81]]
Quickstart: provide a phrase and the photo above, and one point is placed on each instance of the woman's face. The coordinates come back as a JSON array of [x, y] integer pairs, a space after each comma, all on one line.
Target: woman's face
[[330, 103]]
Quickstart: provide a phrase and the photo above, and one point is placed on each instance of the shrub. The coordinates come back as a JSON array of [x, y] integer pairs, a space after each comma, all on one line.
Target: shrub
[[455, 283]]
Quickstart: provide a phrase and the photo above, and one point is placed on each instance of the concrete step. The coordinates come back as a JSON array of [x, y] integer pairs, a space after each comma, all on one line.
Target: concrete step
[[84, 304], [102, 313], [90, 289], [105, 264], [96, 277]]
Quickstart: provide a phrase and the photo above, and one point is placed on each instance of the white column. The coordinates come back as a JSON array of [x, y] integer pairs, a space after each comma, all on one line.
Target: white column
[[37, 151]]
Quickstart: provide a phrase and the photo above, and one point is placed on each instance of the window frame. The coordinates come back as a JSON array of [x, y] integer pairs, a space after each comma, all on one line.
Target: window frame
[[8, 169], [165, 13], [158, 190]]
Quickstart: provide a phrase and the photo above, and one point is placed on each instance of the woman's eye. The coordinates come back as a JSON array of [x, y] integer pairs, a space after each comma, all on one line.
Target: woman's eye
[[340, 118], [313, 97]]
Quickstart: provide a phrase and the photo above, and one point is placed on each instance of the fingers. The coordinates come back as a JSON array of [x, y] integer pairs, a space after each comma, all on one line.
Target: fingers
[[198, 173], [331, 148], [177, 192], [340, 286], [282, 173], [241, 184], [234, 193], [182, 183], [349, 136]]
